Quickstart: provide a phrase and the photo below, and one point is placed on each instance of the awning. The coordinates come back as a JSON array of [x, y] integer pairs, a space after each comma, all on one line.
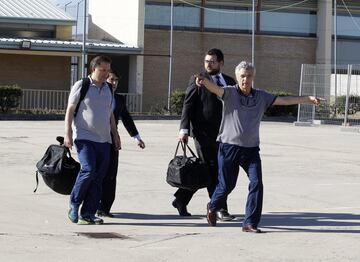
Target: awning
[[92, 46]]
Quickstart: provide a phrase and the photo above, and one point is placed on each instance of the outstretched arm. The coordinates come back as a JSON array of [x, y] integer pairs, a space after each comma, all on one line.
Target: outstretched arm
[[202, 81], [293, 100]]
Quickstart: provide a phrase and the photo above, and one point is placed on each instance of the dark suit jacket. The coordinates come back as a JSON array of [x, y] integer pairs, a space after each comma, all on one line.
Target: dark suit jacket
[[202, 110], [120, 111]]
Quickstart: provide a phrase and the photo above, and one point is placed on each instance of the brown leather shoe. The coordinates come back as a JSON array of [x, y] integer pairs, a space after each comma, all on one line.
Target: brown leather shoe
[[210, 216], [251, 229]]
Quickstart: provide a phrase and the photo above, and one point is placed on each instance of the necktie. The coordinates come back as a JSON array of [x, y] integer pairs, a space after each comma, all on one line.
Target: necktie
[[218, 82]]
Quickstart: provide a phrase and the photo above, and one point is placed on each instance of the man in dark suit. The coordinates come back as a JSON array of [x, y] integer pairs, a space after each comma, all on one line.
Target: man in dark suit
[[201, 118], [109, 182]]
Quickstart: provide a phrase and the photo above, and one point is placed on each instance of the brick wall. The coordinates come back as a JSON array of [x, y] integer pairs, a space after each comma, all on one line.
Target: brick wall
[[35, 71], [278, 60]]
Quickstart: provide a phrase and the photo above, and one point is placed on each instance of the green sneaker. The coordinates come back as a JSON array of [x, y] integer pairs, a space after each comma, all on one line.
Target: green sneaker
[[93, 220]]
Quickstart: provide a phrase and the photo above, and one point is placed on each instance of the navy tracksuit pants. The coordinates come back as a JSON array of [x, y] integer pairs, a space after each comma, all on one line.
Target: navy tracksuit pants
[[94, 160], [230, 158]]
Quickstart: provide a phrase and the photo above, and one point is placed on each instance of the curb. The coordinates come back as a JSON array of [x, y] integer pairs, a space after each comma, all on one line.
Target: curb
[[51, 117]]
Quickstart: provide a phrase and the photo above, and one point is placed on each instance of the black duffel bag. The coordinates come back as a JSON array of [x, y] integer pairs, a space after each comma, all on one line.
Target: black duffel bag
[[58, 169], [187, 172]]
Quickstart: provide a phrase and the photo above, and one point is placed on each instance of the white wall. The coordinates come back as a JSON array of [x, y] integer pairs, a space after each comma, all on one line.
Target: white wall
[[122, 19]]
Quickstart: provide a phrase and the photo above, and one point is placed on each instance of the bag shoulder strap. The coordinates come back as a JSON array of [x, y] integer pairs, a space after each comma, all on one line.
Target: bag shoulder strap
[[84, 88], [37, 180], [111, 91]]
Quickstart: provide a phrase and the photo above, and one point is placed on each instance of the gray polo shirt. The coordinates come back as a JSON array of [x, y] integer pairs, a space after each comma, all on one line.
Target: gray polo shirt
[[242, 115], [92, 121]]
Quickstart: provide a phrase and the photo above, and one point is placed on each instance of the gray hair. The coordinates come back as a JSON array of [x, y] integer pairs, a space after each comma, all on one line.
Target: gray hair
[[244, 65]]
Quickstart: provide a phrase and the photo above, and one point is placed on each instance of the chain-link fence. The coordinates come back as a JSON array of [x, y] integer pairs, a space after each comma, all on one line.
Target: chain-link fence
[[341, 91]]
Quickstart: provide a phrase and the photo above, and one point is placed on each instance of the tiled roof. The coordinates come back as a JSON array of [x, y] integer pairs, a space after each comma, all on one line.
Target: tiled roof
[[33, 10]]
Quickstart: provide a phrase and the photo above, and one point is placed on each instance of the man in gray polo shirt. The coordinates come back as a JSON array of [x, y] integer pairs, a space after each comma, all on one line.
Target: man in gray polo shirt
[[90, 131], [243, 108]]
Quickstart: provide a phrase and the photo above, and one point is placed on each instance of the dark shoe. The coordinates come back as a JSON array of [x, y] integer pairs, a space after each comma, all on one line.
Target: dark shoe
[[181, 208], [223, 215], [210, 216], [251, 229], [104, 214]]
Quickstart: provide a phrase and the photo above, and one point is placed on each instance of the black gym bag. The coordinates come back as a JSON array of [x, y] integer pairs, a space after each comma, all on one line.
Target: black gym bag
[[187, 172], [58, 169]]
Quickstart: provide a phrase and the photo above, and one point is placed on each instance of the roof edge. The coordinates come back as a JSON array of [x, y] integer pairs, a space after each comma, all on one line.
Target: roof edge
[[20, 20]]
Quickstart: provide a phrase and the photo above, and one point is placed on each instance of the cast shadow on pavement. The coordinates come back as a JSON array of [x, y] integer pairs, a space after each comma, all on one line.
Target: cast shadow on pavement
[[312, 222], [308, 222], [167, 220]]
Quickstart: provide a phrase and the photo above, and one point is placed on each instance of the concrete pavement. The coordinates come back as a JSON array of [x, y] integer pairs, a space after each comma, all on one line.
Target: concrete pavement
[[311, 201]]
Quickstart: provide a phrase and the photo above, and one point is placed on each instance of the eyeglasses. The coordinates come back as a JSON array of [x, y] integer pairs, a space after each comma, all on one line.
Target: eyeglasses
[[210, 61]]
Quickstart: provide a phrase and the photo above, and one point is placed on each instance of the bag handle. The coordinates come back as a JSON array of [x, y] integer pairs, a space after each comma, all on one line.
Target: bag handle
[[67, 151], [192, 152], [184, 146], [177, 148], [60, 139]]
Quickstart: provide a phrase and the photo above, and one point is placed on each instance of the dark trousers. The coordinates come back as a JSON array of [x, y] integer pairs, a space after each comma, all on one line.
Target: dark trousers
[[94, 159], [109, 182], [206, 149], [230, 157]]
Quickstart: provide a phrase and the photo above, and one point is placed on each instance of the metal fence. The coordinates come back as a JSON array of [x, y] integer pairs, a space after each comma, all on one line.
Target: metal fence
[[50, 101], [341, 91], [133, 102]]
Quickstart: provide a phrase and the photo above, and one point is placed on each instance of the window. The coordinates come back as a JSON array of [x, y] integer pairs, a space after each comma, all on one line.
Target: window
[[158, 16], [228, 19], [348, 27], [232, 19], [289, 23]]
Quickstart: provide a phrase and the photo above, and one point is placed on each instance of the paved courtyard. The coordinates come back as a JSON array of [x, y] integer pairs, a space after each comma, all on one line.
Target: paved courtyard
[[311, 201]]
